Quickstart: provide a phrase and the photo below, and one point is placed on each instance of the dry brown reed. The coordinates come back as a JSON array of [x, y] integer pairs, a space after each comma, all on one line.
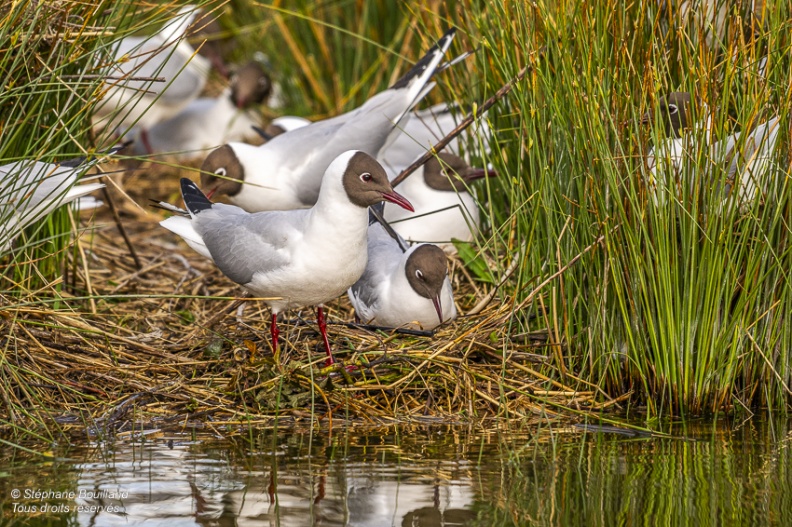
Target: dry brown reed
[[165, 346]]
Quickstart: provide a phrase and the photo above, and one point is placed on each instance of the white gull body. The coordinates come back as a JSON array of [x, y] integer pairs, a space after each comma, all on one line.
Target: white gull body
[[444, 208], [750, 159], [746, 158], [210, 121], [205, 123]]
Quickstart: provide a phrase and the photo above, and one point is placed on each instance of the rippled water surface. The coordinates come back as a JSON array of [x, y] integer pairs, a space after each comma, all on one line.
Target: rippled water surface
[[722, 473]]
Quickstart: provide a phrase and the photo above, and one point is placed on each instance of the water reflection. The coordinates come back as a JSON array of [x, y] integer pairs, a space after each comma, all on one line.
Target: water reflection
[[730, 475]]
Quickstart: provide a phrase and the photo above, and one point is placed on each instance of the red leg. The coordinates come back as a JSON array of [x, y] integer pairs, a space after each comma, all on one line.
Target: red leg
[[274, 334], [144, 138], [320, 320]]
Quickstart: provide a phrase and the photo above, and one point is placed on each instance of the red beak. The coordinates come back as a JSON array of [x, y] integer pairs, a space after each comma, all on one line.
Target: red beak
[[398, 199], [211, 193], [438, 307], [478, 173]]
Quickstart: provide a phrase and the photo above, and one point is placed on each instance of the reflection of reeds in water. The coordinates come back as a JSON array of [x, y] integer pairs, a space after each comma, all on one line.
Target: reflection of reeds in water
[[726, 474]]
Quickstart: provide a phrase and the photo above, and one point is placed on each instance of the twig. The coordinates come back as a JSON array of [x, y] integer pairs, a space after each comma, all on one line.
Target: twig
[[467, 121], [369, 327], [112, 78], [119, 224]]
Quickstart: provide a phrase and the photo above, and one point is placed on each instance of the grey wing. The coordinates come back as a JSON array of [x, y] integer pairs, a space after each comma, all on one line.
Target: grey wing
[[309, 151], [315, 146], [384, 256], [370, 125], [364, 128], [243, 244]]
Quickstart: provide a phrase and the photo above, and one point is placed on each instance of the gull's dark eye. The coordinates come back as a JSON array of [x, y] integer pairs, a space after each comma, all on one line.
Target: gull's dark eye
[[220, 172], [365, 177], [419, 274], [672, 109]]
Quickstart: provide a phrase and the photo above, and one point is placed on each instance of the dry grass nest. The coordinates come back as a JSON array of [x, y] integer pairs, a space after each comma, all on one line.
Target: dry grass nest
[[164, 346]]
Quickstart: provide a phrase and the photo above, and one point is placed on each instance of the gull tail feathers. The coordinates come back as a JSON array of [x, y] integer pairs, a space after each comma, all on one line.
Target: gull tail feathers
[[262, 133], [194, 199], [79, 191], [178, 25], [456, 60], [183, 227], [167, 206], [417, 78]]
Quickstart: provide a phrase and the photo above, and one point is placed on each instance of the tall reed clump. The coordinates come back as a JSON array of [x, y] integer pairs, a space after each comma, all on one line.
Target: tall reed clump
[[53, 63], [53, 58], [682, 296]]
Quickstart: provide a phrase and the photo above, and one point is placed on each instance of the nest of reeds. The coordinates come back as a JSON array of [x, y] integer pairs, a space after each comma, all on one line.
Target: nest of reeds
[[151, 334]]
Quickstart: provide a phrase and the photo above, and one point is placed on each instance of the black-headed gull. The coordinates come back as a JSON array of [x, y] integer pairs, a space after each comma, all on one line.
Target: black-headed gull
[[286, 172], [292, 258], [444, 209], [210, 121], [30, 190], [166, 55], [746, 157], [403, 286]]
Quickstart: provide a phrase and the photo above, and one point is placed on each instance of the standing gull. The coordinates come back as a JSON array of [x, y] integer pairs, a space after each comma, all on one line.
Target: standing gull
[[292, 258]]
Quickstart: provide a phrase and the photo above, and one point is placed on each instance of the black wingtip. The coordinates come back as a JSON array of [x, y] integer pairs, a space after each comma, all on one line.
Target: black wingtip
[[263, 133], [376, 215], [422, 64], [194, 199]]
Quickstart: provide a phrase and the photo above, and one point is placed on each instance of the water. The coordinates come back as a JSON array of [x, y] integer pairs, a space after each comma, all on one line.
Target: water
[[723, 473]]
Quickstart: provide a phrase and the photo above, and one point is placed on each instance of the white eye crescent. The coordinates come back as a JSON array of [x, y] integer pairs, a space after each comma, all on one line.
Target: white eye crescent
[[220, 172], [365, 176], [672, 109], [418, 274]]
